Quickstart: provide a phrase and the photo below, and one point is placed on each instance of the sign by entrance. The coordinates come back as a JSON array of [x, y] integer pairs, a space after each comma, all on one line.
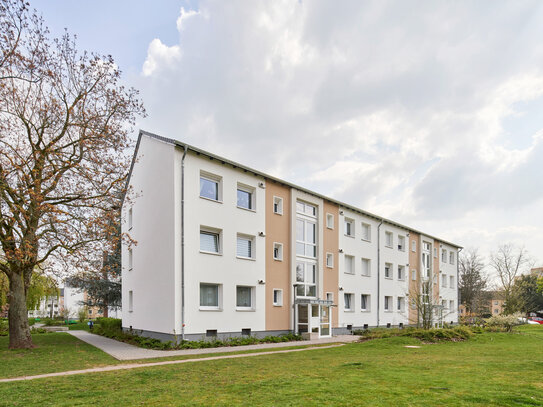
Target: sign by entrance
[[313, 301]]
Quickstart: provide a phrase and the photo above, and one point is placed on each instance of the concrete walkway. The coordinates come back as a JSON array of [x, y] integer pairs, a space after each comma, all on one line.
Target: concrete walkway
[[125, 351], [167, 362]]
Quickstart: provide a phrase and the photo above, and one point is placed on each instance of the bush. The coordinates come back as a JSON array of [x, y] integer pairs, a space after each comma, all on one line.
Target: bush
[[4, 328], [425, 335], [53, 322], [109, 324], [503, 323]]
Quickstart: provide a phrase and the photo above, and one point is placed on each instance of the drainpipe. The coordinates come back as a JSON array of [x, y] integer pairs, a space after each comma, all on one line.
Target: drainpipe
[[379, 272], [458, 283], [183, 243]]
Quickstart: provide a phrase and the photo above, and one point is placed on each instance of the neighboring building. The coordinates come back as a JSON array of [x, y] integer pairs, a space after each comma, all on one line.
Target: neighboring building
[[493, 304], [226, 250]]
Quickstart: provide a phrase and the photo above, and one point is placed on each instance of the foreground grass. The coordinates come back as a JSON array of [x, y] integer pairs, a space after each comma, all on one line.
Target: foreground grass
[[54, 352], [491, 369]]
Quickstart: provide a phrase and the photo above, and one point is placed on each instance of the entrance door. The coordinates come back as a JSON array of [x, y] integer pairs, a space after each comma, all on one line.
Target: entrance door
[[325, 321], [314, 318]]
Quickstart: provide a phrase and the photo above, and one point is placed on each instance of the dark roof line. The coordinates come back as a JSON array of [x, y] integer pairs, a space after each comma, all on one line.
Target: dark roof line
[[197, 150]]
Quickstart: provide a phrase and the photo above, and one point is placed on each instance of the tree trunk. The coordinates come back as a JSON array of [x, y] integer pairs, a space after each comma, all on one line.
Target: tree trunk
[[19, 330]]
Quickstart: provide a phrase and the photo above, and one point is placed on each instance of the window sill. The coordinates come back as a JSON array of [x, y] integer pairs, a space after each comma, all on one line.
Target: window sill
[[277, 259], [389, 247], [210, 199], [278, 213], [246, 209], [245, 309], [245, 258], [277, 305], [328, 227], [389, 278], [212, 253], [366, 311], [390, 312], [349, 310], [210, 309], [130, 311], [350, 274], [366, 275], [366, 240], [329, 267], [351, 236]]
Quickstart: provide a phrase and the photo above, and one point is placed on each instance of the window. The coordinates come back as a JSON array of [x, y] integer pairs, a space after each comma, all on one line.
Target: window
[[444, 255], [414, 275], [306, 209], [306, 230], [130, 219], [388, 303], [426, 260], [349, 264], [306, 277], [400, 303], [413, 245], [495, 302], [130, 302], [366, 232], [244, 297], [277, 205], [329, 260], [451, 281], [451, 304], [444, 304], [451, 257], [209, 241], [245, 196], [401, 243], [330, 297], [244, 247], [366, 267], [210, 187], [349, 299], [435, 252], [277, 297], [209, 296], [444, 280], [349, 227], [389, 239], [496, 310], [401, 272], [388, 270], [130, 259], [365, 302], [329, 221], [278, 251]]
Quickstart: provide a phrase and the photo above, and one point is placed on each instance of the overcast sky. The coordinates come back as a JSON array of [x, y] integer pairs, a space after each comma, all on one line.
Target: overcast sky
[[428, 113]]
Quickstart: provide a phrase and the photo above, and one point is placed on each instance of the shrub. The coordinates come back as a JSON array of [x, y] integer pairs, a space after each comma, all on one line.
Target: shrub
[[425, 335], [52, 322], [504, 323], [4, 328], [110, 324]]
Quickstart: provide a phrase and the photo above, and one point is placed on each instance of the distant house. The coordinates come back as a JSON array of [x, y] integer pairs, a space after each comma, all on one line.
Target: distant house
[[493, 305]]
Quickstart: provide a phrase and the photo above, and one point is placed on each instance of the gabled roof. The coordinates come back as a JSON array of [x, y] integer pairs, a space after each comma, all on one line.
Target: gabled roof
[[199, 151]]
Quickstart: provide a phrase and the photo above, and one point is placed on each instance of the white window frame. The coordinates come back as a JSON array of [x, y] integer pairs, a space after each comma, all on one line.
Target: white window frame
[[213, 178], [451, 305], [130, 259], [330, 260], [349, 231], [279, 247], [352, 261], [451, 281], [389, 239], [130, 302], [251, 240], [252, 296], [451, 258], [252, 196], [130, 218], [368, 303], [278, 203], [414, 275], [330, 296], [443, 256], [387, 303], [435, 252], [401, 272], [400, 304], [368, 263], [401, 243], [277, 300], [219, 298], [413, 245], [306, 219], [330, 221], [211, 231], [390, 268], [307, 283], [366, 232], [351, 300]]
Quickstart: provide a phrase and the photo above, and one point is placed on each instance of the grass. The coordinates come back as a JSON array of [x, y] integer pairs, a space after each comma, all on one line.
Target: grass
[[490, 369], [54, 352]]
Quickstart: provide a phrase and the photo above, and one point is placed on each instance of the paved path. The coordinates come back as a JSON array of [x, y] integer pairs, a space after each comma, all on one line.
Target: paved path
[[125, 351], [167, 362]]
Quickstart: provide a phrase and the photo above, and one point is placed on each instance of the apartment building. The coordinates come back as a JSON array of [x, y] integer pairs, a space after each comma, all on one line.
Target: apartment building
[[226, 250]]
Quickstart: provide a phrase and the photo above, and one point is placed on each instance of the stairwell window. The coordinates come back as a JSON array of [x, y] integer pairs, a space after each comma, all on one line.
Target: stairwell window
[[278, 251], [277, 205], [130, 259], [329, 260], [130, 302], [414, 275], [130, 219], [277, 297], [413, 245]]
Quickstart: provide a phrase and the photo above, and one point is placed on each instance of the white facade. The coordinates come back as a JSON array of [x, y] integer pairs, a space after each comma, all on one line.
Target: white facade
[[448, 282]]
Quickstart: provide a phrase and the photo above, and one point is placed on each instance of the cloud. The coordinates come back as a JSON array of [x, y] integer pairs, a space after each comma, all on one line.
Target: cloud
[[409, 110]]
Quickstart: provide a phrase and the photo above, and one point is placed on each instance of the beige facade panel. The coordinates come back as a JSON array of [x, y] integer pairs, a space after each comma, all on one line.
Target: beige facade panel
[[330, 244], [414, 265]]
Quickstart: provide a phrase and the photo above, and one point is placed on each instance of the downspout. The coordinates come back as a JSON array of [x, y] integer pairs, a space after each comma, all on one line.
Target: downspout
[[458, 299], [379, 272], [183, 243]]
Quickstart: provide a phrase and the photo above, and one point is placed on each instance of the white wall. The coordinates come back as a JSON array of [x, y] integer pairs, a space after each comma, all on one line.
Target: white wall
[[449, 293], [225, 269], [152, 276]]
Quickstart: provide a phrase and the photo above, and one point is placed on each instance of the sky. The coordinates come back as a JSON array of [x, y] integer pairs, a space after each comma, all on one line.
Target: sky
[[429, 113]]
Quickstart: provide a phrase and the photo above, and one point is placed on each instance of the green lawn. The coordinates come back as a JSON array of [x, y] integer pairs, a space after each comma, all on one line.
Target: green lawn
[[54, 352], [491, 369]]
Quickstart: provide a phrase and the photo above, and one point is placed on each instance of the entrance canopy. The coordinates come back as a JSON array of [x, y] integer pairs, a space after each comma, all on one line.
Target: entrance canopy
[[313, 301]]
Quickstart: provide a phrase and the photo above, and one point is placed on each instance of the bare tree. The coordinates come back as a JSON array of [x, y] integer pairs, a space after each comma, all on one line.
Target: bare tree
[[64, 125], [473, 281], [509, 262], [426, 305]]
